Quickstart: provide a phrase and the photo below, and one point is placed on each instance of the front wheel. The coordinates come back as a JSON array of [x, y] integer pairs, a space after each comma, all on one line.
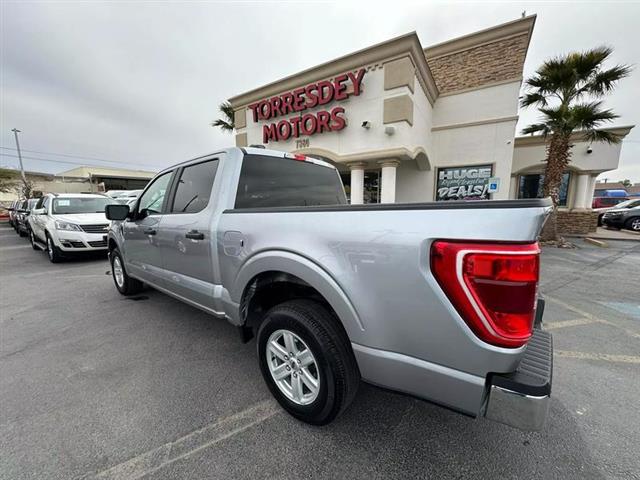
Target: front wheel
[[306, 361], [633, 224], [124, 283], [53, 252], [32, 239]]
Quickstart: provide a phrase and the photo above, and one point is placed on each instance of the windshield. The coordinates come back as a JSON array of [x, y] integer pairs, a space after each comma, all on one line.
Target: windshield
[[63, 206], [629, 203]]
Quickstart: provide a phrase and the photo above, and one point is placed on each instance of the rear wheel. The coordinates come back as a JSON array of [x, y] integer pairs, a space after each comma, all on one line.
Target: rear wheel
[[633, 224], [53, 252], [307, 362], [124, 283]]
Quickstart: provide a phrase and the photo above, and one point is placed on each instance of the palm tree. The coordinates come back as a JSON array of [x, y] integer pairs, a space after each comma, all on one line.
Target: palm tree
[[226, 123], [568, 92]]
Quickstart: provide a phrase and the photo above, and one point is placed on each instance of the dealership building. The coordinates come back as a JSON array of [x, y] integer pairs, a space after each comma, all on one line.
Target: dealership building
[[405, 123]]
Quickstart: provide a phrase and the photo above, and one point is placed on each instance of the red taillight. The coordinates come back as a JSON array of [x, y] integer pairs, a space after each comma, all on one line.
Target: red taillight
[[297, 156], [492, 286]]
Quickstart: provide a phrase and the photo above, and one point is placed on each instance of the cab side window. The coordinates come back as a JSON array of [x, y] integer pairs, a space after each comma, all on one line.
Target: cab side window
[[153, 199], [46, 203], [40, 202], [194, 187]]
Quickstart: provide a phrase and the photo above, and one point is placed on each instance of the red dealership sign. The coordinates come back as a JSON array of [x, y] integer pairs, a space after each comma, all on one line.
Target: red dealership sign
[[305, 98]]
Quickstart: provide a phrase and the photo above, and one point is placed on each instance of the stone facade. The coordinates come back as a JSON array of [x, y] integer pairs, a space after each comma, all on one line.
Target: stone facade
[[577, 222], [482, 65]]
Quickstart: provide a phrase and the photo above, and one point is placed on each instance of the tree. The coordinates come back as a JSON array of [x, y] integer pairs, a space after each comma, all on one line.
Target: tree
[[25, 189], [7, 180], [227, 122], [567, 91], [626, 183]]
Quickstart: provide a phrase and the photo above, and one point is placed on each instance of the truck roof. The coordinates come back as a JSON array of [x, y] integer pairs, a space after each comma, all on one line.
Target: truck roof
[[253, 151]]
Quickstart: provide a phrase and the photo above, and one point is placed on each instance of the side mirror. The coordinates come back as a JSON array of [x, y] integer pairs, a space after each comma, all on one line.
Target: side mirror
[[37, 211], [116, 211]]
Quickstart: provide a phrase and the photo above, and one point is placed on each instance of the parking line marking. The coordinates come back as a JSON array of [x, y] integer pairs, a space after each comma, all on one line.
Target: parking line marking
[[570, 307], [154, 460], [568, 323], [605, 357], [14, 247]]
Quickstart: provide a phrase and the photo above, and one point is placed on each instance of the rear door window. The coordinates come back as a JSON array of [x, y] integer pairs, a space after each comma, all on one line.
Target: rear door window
[[194, 187], [281, 182]]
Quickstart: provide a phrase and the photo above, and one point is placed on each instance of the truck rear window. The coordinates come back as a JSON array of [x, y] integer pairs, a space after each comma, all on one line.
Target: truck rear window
[[281, 182]]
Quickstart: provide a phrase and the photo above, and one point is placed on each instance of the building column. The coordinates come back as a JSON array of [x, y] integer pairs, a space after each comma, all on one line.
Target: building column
[[590, 190], [513, 187], [582, 186], [388, 181], [357, 182]]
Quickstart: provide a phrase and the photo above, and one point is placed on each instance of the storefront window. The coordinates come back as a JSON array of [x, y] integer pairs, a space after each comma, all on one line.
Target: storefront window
[[464, 183], [371, 185], [531, 187]]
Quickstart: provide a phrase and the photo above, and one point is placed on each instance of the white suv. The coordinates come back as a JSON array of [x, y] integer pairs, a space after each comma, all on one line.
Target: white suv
[[69, 222]]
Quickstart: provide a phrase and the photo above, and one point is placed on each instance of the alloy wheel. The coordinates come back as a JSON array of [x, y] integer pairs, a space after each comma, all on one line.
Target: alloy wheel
[[50, 248], [635, 225], [293, 367], [118, 272]]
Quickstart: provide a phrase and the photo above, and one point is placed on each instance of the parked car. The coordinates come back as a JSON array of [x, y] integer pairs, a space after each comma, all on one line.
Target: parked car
[[114, 193], [609, 198], [22, 217], [13, 212], [127, 197], [626, 217], [64, 224], [633, 202], [420, 298]]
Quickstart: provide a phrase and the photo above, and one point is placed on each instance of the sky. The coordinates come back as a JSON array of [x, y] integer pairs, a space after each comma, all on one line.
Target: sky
[[137, 84]]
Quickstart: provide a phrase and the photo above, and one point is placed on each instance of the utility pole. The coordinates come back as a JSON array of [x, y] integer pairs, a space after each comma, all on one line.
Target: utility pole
[[24, 177]]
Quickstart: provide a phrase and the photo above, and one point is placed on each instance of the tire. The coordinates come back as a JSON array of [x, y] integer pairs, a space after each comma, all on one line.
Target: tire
[[312, 329], [123, 282], [53, 252], [633, 224], [32, 239], [22, 233]]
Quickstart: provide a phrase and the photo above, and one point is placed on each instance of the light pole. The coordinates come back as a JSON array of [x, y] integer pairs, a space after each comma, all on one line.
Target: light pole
[[24, 177]]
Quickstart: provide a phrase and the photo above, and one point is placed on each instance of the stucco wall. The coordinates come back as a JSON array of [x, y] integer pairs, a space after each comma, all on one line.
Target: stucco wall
[[603, 157], [368, 106], [495, 102]]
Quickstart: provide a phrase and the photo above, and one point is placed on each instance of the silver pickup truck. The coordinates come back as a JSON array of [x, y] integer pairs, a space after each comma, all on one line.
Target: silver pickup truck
[[436, 300]]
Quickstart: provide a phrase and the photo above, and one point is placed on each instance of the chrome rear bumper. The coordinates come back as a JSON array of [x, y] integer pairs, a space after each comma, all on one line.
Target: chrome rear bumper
[[521, 399]]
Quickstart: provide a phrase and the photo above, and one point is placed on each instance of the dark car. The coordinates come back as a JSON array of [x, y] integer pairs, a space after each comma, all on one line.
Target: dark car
[[628, 218], [23, 210], [633, 202], [13, 212]]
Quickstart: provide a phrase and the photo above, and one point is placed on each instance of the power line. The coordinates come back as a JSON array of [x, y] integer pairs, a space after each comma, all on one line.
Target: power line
[[63, 161], [67, 155]]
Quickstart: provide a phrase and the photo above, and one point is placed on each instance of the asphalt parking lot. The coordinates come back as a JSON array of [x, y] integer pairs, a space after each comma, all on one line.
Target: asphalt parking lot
[[95, 385]]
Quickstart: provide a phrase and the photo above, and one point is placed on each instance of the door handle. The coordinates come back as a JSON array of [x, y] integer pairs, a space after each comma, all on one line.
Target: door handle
[[194, 235], [149, 231]]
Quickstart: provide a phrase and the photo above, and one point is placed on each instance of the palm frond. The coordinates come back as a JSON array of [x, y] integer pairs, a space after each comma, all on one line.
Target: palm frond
[[605, 81], [224, 125], [586, 63], [602, 136], [542, 128], [227, 123], [588, 116], [536, 98]]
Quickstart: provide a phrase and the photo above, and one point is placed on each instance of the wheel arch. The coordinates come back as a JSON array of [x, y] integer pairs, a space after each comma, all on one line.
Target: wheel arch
[[288, 275]]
